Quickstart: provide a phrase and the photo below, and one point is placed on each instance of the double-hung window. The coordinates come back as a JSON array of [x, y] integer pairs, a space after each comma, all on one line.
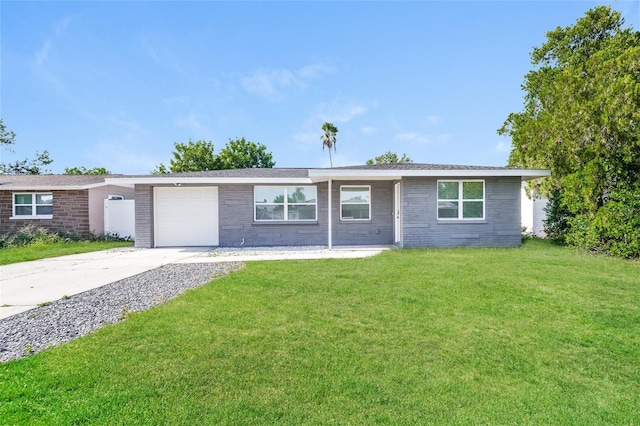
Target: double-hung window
[[355, 202], [33, 205], [285, 203], [461, 199]]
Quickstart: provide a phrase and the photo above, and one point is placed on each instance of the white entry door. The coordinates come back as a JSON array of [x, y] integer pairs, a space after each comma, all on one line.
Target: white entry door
[[186, 216]]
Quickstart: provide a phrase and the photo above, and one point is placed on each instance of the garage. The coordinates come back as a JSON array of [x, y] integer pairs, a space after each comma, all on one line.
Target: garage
[[185, 216]]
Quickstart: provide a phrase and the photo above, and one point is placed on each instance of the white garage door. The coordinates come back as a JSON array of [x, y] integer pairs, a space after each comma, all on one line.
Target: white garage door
[[186, 216]]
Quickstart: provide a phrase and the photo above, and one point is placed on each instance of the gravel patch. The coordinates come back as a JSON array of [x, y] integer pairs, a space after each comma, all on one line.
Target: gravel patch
[[66, 319], [252, 251]]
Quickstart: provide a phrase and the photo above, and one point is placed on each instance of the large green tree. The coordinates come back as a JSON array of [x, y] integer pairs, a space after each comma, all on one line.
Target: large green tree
[[581, 119], [244, 154], [329, 138], [200, 156], [389, 158]]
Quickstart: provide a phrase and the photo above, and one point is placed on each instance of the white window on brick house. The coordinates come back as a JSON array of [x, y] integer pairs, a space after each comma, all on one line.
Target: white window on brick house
[[355, 202], [285, 203], [33, 205], [460, 199]]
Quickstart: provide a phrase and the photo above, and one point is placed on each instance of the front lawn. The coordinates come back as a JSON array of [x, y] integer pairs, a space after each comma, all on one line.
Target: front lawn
[[536, 335], [41, 251]]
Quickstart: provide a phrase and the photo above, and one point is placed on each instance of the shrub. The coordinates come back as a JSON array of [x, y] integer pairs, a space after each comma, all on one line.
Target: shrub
[[557, 224], [32, 235]]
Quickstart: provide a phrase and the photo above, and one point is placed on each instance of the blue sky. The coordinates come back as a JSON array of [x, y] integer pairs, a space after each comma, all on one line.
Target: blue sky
[[114, 84]]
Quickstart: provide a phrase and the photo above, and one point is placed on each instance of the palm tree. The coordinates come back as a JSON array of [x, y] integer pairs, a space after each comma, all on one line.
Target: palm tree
[[329, 138]]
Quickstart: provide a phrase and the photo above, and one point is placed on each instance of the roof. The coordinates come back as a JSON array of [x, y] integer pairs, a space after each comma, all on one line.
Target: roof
[[48, 182], [300, 176]]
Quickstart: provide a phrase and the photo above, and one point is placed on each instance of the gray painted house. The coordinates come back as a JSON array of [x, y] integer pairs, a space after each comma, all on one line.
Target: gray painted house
[[409, 205]]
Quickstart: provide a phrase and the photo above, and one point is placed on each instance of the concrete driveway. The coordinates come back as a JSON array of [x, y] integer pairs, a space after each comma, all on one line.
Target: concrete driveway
[[25, 285]]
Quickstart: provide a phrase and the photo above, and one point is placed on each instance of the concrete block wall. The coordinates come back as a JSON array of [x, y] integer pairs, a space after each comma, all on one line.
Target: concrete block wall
[[378, 230], [500, 228], [70, 213], [237, 227], [144, 216]]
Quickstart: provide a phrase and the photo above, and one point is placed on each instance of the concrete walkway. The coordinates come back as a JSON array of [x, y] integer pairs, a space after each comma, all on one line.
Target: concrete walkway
[[25, 285]]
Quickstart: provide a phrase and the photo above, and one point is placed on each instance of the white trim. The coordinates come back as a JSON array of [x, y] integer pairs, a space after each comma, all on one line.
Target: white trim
[[352, 219], [462, 200], [40, 217], [345, 174], [329, 216], [169, 180]]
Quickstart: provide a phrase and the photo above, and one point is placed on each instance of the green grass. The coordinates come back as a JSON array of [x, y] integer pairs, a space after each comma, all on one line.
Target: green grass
[[41, 251], [536, 335]]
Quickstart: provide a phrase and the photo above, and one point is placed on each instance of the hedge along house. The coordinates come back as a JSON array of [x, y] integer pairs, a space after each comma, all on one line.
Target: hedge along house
[[407, 205], [69, 204]]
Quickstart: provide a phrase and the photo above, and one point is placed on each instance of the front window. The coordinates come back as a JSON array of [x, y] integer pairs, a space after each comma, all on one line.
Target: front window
[[288, 203], [461, 199], [355, 202], [33, 205]]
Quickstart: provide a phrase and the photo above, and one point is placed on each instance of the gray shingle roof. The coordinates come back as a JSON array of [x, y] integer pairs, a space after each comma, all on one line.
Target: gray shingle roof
[[52, 181], [418, 166]]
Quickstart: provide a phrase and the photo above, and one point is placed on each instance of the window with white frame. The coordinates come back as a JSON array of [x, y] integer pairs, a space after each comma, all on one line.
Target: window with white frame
[[355, 202], [285, 203], [33, 205], [461, 199]]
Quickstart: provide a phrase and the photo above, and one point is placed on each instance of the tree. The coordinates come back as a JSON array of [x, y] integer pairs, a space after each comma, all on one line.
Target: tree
[[329, 138], [6, 136], [389, 158], [580, 119], [191, 157], [200, 156], [36, 166], [243, 154], [84, 171]]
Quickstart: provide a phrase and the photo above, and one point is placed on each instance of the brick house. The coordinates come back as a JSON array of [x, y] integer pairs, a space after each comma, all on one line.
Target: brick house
[[71, 204]]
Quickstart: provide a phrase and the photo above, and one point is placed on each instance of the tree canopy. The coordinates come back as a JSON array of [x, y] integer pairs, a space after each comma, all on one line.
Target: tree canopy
[[581, 119], [35, 166], [389, 158], [200, 156], [84, 171], [243, 154], [329, 138], [7, 137]]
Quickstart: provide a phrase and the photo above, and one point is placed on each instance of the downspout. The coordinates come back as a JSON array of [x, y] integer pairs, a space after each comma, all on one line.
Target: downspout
[[330, 219]]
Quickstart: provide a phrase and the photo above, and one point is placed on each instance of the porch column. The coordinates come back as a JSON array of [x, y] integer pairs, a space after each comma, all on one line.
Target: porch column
[[329, 218]]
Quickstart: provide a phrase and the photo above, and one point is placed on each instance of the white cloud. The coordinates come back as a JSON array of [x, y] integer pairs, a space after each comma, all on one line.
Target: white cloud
[[42, 54], [368, 130], [192, 123], [421, 138], [413, 137], [337, 112], [274, 83], [315, 71], [271, 83], [433, 120]]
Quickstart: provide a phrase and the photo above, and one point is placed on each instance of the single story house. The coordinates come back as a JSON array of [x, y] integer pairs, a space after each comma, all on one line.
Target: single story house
[[407, 205], [70, 204]]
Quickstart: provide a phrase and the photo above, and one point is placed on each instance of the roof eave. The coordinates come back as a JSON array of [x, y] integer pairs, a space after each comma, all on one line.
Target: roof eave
[[174, 180], [318, 175]]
